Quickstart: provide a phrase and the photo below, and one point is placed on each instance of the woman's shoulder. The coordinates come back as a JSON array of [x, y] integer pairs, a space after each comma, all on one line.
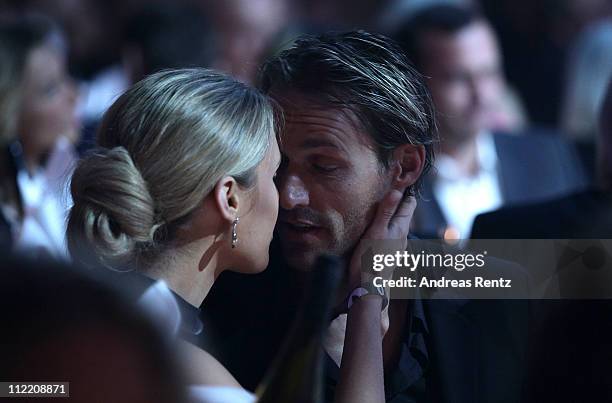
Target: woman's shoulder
[[209, 381], [204, 369], [219, 394]]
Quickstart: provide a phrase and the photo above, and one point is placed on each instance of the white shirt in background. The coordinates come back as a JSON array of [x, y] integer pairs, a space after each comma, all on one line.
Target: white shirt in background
[[97, 95], [46, 202], [462, 198]]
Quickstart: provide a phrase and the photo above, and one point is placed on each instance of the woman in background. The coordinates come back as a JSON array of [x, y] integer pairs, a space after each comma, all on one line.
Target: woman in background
[[37, 129]]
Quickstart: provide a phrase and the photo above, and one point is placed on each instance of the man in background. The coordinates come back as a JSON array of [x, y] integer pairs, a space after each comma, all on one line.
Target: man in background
[[571, 333], [585, 214], [476, 170]]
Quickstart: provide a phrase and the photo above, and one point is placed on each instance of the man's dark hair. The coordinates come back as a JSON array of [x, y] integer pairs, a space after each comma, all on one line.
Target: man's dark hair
[[367, 74], [445, 18]]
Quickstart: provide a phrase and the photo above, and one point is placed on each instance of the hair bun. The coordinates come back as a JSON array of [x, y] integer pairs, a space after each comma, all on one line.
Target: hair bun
[[113, 211]]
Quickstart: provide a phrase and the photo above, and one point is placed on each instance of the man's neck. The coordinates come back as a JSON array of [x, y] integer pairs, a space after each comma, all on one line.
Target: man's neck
[[464, 152]]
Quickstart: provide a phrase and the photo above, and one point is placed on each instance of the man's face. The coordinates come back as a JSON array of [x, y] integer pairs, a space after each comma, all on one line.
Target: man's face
[[329, 182], [465, 78]]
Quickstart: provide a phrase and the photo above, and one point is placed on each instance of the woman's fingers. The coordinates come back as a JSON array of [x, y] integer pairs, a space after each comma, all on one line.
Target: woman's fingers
[[400, 222], [393, 216], [384, 214]]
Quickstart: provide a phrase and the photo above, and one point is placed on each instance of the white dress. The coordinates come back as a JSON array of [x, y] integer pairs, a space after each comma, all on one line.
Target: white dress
[[219, 394]]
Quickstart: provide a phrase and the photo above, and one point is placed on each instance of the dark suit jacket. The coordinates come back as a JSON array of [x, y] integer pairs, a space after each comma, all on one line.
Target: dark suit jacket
[[571, 335], [532, 167], [6, 240], [476, 348], [586, 214]]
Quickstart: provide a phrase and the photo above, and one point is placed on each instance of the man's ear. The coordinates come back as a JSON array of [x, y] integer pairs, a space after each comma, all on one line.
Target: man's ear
[[226, 198], [407, 164]]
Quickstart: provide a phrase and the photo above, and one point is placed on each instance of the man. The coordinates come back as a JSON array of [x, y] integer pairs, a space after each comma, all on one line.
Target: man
[[572, 333], [476, 170], [358, 122], [586, 214]]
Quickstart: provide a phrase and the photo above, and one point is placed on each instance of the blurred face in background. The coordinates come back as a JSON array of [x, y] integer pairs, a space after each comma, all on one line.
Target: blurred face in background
[[246, 29], [92, 28], [48, 102], [465, 78]]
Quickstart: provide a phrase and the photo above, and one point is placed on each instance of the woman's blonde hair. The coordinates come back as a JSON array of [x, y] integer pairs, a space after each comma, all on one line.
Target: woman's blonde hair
[[163, 145]]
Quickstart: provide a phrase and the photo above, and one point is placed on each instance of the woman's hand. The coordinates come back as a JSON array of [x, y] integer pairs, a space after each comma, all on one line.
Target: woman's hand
[[387, 234], [361, 370]]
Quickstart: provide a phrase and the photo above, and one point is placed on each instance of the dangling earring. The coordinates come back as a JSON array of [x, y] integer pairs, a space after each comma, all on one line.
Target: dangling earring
[[234, 233]]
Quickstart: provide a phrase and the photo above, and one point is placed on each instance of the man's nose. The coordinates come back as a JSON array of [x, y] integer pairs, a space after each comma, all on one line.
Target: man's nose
[[292, 192], [477, 92], [487, 90], [72, 92]]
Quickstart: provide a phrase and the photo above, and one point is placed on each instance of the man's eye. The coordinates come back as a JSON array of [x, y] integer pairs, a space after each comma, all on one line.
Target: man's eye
[[325, 168], [50, 90]]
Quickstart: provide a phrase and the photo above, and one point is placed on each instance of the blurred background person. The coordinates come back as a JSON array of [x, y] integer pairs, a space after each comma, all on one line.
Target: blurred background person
[[476, 170], [506, 111], [246, 29], [99, 57], [37, 132], [569, 333], [60, 325], [167, 36], [536, 36], [94, 34], [163, 35], [589, 68], [586, 214]]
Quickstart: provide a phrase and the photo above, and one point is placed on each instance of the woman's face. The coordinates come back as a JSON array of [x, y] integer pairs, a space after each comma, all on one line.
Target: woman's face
[[257, 221], [48, 102]]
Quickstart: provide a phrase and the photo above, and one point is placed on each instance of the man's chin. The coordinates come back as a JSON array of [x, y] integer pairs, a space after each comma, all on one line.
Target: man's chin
[[303, 259], [300, 260], [300, 251]]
